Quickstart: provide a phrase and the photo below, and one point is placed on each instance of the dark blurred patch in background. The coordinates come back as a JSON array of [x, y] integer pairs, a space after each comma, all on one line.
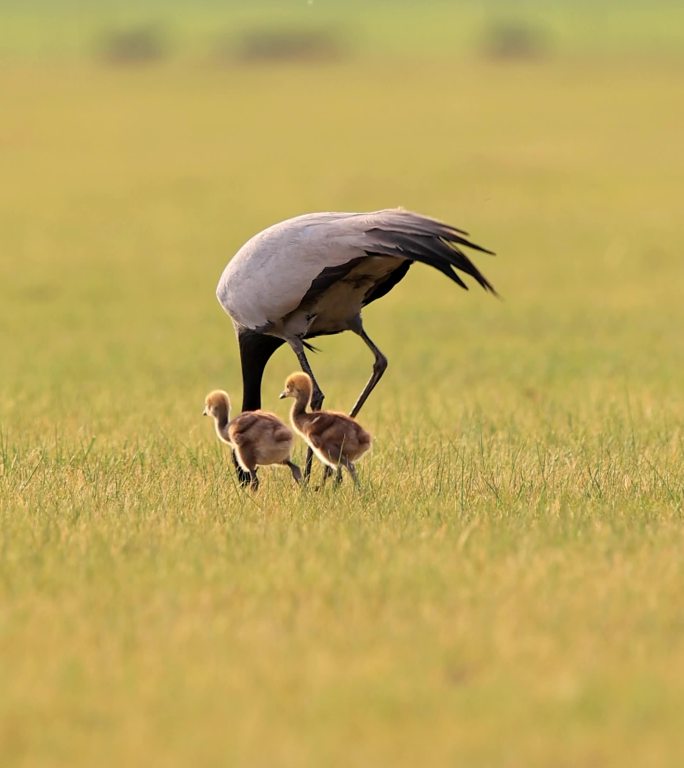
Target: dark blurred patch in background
[[137, 44], [515, 39], [274, 44]]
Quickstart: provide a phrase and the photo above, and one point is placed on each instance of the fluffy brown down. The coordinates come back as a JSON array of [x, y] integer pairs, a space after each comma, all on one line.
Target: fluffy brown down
[[258, 438], [337, 440]]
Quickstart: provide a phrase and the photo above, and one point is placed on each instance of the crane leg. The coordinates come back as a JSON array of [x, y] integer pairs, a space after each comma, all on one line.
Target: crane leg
[[379, 367], [317, 395]]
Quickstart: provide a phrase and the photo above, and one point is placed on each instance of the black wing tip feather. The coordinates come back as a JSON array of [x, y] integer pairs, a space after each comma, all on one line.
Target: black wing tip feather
[[466, 243], [469, 268], [434, 243], [479, 278]]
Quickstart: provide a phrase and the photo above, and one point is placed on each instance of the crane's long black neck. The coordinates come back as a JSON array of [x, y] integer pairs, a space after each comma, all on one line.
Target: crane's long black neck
[[255, 351]]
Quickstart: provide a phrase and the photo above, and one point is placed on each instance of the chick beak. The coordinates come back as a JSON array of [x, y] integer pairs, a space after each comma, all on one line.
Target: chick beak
[[204, 412], [282, 395]]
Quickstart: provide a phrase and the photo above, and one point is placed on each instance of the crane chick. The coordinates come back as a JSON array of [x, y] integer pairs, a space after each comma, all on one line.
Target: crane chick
[[336, 439], [258, 438]]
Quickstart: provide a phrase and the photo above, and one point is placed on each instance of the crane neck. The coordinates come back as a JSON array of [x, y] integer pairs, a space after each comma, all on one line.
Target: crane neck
[[255, 351]]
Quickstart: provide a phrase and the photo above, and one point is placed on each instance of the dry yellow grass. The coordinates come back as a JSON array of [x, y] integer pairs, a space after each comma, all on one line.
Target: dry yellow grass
[[505, 590]]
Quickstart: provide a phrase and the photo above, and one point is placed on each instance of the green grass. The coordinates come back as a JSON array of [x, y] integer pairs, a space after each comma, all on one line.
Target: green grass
[[506, 588]]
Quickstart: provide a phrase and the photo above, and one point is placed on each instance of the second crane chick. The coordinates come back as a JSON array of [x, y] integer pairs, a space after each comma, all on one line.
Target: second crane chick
[[257, 438], [337, 440]]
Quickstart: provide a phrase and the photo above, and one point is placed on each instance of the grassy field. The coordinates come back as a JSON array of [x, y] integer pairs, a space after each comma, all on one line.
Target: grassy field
[[506, 588]]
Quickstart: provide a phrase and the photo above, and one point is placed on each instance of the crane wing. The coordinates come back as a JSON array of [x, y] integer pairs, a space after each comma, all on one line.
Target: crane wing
[[272, 273]]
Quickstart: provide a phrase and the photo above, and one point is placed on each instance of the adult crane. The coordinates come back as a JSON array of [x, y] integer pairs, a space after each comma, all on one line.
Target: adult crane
[[312, 275]]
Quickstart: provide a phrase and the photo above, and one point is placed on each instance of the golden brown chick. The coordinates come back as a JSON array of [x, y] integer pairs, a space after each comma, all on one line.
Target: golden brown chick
[[337, 440], [258, 438]]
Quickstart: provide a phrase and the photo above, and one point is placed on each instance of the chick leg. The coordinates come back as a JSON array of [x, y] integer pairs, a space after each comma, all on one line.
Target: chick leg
[[352, 471], [327, 471], [253, 480], [296, 472]]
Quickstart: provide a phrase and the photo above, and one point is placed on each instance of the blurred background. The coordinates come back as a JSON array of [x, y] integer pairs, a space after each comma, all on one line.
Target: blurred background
[[124, 30], [143, 142]]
